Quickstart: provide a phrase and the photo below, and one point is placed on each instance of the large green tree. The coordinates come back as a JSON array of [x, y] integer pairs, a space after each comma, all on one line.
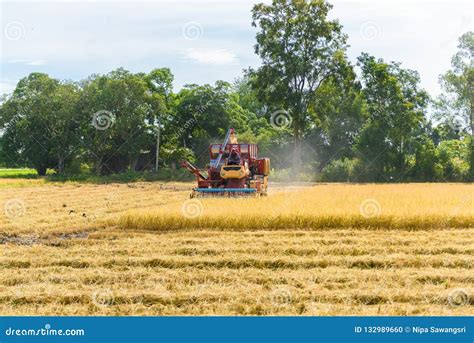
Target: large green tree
[[396, 112], [118, 114], [40, 123], [338, 113], [456, 105], [299, 48]]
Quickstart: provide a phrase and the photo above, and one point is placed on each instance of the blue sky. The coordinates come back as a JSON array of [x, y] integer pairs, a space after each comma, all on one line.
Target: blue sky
[[204, 41]]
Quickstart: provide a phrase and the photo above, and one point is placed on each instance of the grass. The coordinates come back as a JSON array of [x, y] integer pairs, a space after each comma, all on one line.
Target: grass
[[23, 173], [139, 251]]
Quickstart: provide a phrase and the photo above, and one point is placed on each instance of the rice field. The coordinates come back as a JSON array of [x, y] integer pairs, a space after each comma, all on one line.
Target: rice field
[[325, 249]]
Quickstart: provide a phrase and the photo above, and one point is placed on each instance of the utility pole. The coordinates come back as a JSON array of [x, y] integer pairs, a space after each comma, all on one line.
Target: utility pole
[[157, 144]]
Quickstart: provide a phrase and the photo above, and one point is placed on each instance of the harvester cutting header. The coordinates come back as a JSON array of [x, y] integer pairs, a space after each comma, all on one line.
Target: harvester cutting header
[[234, 170]]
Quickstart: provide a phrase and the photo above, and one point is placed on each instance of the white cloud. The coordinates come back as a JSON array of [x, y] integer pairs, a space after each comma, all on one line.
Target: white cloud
[[212, 56], [36, 63], [27, 62], [18, 60]]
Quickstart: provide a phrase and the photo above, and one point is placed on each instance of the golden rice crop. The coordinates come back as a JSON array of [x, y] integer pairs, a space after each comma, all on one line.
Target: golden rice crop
[[412, 206]]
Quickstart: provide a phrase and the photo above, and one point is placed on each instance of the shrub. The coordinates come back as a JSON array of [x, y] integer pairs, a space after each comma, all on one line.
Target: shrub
[[454, 157], [341, 170]]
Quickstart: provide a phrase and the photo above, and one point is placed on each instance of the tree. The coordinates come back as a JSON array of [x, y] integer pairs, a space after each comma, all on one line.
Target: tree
[[259, 130], [338, 113], [160, 82], [117, 112], [299, 48], [456, 105], [453, 157], [203, 114], [426, 166], [395, 108], [247, 96], [40, 125]]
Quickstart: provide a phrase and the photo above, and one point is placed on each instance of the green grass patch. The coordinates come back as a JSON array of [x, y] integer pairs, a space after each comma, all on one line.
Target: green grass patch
[[18, 173]]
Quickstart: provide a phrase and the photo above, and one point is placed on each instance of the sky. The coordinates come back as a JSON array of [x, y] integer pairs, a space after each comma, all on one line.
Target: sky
[[204, 41]]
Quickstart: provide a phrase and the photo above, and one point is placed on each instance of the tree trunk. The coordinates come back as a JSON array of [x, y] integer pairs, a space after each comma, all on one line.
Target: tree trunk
[[41, 170], [61, 164], [471, 150], [98, 166], [296, 147], [133, 164]]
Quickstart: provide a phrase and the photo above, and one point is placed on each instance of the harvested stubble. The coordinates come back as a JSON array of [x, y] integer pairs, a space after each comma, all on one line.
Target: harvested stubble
[[206, 272]]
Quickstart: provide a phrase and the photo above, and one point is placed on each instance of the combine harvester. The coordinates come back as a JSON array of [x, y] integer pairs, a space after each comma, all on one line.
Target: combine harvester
[[234, 171]]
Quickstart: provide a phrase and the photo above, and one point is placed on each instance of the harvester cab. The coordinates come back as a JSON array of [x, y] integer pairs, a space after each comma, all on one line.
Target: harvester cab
[[234, 170]]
